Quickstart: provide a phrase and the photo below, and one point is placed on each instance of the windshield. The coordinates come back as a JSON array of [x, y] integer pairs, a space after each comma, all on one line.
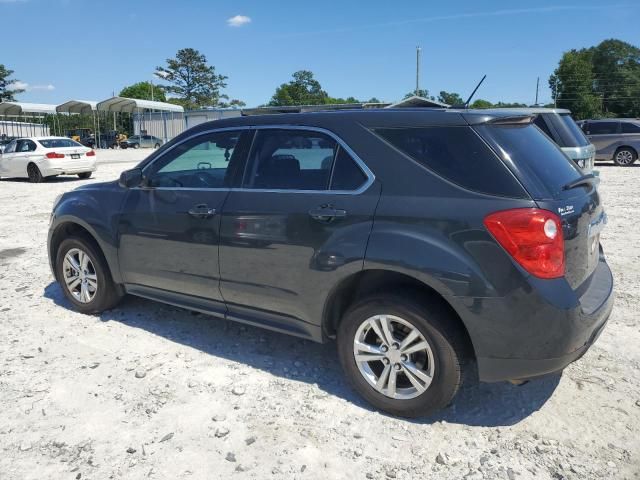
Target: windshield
[[58, 143], [529, 151], [569, 133]]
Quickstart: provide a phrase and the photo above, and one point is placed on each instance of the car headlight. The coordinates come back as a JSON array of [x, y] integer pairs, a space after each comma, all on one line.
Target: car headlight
[[580, 162]]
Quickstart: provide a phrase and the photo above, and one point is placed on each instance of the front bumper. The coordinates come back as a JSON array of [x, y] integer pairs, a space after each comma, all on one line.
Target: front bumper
[[535, 333]]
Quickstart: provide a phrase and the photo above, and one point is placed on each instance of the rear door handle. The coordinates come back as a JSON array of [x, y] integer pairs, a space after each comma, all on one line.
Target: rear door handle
[[202, 211], [327, 213]]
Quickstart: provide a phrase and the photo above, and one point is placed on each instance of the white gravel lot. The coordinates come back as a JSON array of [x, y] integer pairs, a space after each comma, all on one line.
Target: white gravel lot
[[153, 391]]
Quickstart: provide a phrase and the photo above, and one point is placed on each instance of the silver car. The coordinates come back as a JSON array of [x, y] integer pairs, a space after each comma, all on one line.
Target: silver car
[[557, 124], [616, 139]]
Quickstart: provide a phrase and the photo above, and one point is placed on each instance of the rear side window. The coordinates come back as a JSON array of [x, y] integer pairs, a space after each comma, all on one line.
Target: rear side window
[[58, 143], [602, 128], [457, 154], [346, 173], [628, 127], [569, 134], [533, 153]]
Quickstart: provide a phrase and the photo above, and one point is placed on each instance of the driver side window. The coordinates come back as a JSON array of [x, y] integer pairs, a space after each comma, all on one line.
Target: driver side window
[[205, 161]]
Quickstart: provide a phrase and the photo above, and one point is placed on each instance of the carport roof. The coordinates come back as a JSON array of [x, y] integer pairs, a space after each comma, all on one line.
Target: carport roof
[[130, 105], [21, 108], [77, 106]]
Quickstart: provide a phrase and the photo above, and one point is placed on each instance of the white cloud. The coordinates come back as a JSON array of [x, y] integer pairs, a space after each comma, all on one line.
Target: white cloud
[[29, 88], [238, 21]]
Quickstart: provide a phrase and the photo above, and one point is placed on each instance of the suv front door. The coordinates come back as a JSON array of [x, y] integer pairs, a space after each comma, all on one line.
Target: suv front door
[[169, 226], [299, 224]]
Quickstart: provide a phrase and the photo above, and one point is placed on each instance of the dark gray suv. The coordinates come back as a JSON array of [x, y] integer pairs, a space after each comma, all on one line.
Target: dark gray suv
[[423, 241]]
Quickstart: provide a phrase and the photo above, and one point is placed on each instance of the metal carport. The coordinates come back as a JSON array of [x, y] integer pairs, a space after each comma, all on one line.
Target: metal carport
[[82, 107], [22, 110]]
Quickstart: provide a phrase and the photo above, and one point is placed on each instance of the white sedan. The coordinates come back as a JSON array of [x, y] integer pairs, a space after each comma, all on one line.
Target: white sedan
[[37, 158]]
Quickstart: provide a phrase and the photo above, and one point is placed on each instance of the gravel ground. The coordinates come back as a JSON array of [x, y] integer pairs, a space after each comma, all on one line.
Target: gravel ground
[[153, 391]]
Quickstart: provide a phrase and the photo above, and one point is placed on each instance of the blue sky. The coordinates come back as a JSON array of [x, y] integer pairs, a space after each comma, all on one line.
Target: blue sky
[[86, 49]]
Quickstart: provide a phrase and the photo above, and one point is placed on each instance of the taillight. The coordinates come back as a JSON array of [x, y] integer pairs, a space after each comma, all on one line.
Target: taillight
[[54, 155], [91, 153], [533, 237]]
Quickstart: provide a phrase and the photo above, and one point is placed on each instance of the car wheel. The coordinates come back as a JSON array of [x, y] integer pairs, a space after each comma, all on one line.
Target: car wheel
[[625, 157], [85, 277], [34, 174], [402, 357], [136, 145], [84, 175], [156, 146]]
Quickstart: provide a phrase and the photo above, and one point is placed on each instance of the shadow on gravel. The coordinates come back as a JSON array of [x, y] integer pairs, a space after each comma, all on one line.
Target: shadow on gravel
[[477, 404], [59, 179], [611, 164]]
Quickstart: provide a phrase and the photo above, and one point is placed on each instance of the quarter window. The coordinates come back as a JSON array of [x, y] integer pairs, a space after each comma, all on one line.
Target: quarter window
[[347, 175], [206, 161], [630, 127], [290, 160]]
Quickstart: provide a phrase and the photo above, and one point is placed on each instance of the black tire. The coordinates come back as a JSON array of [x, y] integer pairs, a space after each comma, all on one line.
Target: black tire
[[35, 176], [438, 328], [84, 175], [156, 146], [107, 295], [625, 157]]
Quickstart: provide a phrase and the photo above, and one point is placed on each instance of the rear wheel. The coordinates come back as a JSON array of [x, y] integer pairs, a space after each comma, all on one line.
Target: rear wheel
[[85, 277], [35, 176], [84, 175], [625, 157], [403, 357]]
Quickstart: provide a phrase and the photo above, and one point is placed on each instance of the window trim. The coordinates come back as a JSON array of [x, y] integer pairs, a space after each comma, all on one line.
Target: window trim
[[365, 169]]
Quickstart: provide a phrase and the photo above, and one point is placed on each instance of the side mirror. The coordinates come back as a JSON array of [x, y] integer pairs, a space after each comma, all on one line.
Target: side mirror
[[130, 178]]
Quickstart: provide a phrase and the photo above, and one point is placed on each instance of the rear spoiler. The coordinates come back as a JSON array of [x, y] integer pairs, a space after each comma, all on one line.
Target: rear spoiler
[[478, 118]]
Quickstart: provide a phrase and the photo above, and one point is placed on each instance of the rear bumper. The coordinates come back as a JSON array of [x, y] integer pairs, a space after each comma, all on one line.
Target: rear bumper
[[81, 166], [545, 330]]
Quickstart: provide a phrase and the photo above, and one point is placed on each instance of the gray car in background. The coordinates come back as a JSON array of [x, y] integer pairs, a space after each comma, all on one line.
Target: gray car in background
[[142, 141], [558, 125], [616, 139]]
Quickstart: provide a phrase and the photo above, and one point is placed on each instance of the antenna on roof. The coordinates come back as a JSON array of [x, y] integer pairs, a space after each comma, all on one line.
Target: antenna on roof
[[466, 104]]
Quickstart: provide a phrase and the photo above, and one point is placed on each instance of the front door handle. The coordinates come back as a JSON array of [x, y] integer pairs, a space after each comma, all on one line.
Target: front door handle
[[327, 213], [202, 211]]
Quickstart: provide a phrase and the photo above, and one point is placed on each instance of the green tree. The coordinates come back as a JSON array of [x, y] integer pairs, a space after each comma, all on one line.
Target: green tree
[[7, 89], [420, 93], [302, 90], [142, 91], [194, 83], [480, 103], [450, 98], [599, 81], [234, 103]]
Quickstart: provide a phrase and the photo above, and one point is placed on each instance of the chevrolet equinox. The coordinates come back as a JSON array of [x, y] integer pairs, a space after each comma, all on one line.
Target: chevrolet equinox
[[423, 241]]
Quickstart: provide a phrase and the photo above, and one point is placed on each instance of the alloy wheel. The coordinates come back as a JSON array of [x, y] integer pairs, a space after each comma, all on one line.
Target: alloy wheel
[[80, 276], [393, 357], [624, 157]]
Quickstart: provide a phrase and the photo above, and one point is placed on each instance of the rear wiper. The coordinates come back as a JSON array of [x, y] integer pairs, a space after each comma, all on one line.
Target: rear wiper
[[588, 179]]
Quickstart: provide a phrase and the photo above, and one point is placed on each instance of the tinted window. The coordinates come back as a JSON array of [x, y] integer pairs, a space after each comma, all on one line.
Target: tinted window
[[290, 160], [628, 127], [568, 133], [347, 175], [602, 128], [533, 153], [206, 161], [58, 143], [542, 125], [457, 154]]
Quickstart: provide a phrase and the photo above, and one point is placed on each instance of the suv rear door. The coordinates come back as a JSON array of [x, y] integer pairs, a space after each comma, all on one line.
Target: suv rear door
[[297, 226], [604, 134]]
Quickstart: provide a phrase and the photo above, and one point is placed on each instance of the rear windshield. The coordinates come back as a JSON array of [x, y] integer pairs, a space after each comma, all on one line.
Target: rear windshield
[[458, 155], [58, 143], [569, 133], [533, 153]]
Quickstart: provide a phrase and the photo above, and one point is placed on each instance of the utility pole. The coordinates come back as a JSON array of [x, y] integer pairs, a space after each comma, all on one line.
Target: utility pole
[[537, 86], [418, 50], [555, 95]]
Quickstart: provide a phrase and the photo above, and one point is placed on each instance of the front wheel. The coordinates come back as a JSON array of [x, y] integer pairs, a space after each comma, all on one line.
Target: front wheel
[[403, 357], [85, 277], [84, 175], [625, 157], [156, 146]]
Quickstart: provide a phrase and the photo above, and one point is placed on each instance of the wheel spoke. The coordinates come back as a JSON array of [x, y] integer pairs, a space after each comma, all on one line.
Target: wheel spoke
[[386, 329], [91, 276], [93, 284], [84, 293], [391, 388], [84, 259], [72, 282], [413, 334], [365, 347], [73, 263], [423, 345], [417, 377], [384, 376], [367, 353]]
